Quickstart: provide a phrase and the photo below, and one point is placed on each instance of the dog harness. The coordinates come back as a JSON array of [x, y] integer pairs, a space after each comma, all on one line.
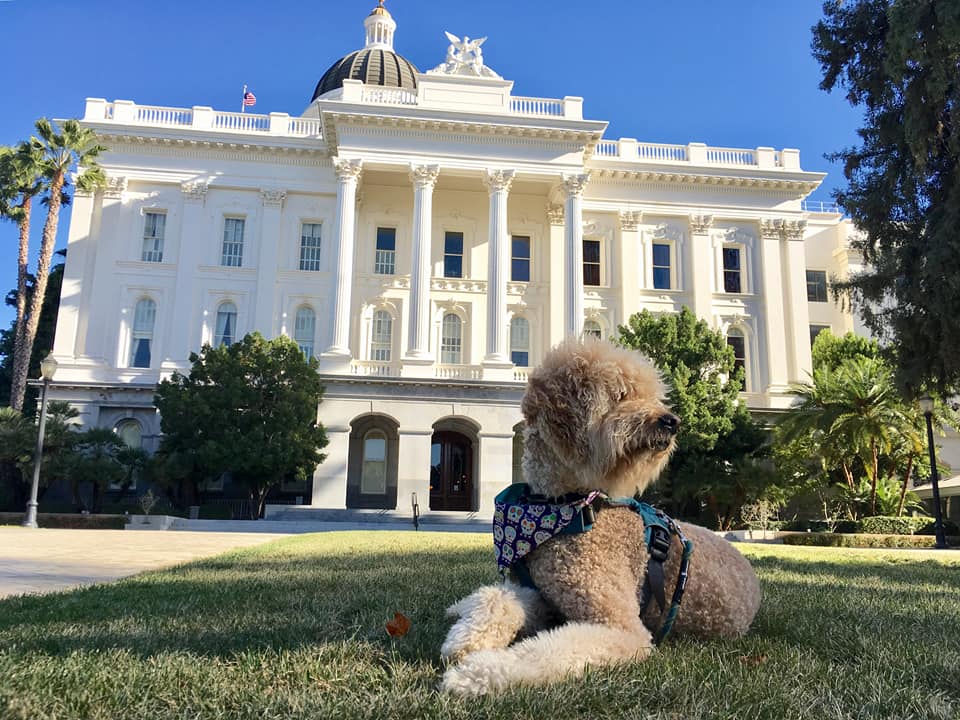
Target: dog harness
[[523, 521]]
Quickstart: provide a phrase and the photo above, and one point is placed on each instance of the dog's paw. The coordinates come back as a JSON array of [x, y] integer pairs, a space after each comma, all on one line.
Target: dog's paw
[[460, 641]]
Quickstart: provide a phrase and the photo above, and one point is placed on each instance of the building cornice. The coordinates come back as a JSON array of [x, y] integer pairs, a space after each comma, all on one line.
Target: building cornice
[[797, 184]]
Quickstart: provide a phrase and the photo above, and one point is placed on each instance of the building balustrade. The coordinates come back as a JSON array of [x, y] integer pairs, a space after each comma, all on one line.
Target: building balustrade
[[628, 149]]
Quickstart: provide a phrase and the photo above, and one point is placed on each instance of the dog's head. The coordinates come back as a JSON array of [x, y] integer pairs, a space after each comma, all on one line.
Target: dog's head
[[596, 420]]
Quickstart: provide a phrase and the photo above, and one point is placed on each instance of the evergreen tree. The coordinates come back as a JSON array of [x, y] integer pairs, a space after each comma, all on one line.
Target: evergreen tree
[[900, 61], [249, 409], [717, 466]]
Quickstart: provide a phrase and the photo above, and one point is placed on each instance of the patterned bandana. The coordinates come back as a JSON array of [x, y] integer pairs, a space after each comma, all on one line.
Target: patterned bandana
[[521, 524]]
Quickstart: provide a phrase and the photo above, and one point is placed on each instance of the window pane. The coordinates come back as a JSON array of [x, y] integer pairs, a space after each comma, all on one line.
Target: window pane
[[450, 341], [731, 258], [736, 340], [144, 316], [591, 274], [130, 432], [731, 281], [386, 239], [232, 252], [816, 330], [382, 336], [520, 270], [453, 243], [153, 231], [816, 286], [661, 255], [305, 329], [520, 359], [226, 325], [310, 247], [453, 266], [591, 251], [592, 327], [521, 246], [661, 278], [375, 447]]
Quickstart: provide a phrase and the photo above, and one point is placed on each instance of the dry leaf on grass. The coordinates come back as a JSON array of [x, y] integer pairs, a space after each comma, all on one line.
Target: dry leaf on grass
[[399, 626]]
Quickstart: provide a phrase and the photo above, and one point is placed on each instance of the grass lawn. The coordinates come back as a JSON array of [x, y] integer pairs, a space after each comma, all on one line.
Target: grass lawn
[[296, 629]]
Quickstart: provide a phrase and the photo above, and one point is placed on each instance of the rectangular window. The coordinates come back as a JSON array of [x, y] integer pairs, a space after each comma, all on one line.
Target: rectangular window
[[661, 266], [310, 247], [816, 330], [520, 259], [591, 262], [453, 255], [816, 286], [232, 253], [385, 261], [731, 270], [739, 345], [154, 224]]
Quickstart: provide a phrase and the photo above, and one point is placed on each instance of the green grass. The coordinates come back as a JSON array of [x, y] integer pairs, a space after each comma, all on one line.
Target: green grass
[[295, 629]]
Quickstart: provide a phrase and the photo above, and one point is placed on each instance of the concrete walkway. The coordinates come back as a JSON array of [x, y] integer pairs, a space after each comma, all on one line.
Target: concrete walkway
[[45, 560]]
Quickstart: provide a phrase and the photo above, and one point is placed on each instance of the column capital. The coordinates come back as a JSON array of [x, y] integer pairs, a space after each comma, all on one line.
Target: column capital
[[497, 180], [347, 169], [115, 188], [272, 197], [630, 219], [424, 177], [194, 191], [575, 184], [794, 229], [700, 224], [555, 214], [770, 228]]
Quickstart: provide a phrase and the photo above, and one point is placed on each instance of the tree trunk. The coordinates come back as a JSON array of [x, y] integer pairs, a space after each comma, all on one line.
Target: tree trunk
[[19, 384], [903, 489], [23, 258], [873, 479], [848, 475]]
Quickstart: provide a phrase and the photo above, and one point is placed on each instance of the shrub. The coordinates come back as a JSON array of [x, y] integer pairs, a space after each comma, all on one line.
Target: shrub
[[847, 526], [865, 540], [69, 521], [882, 525], [949, 528]]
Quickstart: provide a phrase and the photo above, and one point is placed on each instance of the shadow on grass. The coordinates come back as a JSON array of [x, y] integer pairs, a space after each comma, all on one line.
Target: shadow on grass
[[253, 601]]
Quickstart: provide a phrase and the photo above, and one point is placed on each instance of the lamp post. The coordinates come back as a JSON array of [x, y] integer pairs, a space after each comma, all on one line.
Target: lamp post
[[926, 405], [48, 367]]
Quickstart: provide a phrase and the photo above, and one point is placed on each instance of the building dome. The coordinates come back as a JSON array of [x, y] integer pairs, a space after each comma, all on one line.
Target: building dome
[[376, 64], [371, 66]]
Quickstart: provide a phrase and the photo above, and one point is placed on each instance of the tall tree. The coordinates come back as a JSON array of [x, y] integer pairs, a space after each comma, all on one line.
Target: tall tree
[[21, 180], [716, 463], [900, 61], [249, 409], [75, 148]]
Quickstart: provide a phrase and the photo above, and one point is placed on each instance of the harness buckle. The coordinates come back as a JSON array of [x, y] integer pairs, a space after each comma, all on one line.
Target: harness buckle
[[659, 545]]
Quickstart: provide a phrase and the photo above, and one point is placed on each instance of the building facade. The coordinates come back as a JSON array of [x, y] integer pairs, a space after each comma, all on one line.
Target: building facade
[[428, 236]]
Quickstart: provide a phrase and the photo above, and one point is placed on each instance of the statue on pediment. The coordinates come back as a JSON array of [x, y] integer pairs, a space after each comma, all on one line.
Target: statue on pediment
[[464, 57]]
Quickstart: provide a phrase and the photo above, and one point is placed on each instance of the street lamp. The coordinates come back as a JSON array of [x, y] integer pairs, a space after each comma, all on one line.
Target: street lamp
[[48, 367], [926, 405]]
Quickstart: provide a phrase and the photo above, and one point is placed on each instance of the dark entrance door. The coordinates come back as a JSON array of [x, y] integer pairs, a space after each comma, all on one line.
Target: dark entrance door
[[451, 470]]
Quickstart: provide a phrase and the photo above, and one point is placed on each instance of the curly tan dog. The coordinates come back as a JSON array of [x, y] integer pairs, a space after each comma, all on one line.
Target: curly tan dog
[[595, 420]]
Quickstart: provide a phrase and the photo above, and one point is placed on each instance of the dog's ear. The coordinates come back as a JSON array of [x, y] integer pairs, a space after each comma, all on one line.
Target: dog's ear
[[554, 402]]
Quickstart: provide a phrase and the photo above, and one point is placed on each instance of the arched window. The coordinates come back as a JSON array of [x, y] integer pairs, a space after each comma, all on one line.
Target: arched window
[[382, 337], [738, 342], [592, 327], [520, 342], [226, 330], [304, 330], [451, 340], [144, 316], [130, 432], [373, 477]]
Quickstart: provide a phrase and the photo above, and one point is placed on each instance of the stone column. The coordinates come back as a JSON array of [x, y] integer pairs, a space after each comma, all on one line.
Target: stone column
[[330, 477], [112, 242], [798, 312], [701, 267], [634, 257], [186, 322], [264, 319], [771, 268], [573, 187], [554, 263], [70, 340], [496, 468], [424, 178], [498, 264], [338, 340]]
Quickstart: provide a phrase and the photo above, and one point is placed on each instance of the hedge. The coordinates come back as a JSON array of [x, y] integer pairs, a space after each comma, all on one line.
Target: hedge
[[865, 540], [68, 520]]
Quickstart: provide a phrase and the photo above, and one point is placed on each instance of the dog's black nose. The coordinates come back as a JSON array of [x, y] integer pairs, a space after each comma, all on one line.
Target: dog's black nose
[[670, 422]]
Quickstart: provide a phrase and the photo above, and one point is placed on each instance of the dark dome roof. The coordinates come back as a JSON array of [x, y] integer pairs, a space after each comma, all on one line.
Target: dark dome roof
[[373, 67]]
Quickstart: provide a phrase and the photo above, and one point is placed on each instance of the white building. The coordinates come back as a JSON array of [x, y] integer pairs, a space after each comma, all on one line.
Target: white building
[[428, 235]]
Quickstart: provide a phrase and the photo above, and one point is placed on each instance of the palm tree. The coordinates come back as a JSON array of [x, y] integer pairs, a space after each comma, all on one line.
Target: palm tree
[[21, 180], [58, 154]]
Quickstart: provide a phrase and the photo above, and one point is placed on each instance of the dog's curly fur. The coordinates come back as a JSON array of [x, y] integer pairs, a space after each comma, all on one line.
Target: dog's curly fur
[[595, 420]]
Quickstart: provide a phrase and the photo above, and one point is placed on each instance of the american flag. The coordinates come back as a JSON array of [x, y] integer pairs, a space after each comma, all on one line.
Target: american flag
[[249, 99]]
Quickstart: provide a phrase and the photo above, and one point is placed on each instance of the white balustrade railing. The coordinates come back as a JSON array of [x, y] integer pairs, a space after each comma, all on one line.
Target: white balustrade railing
[[304, 127], [658, 152], [388, 96], [607, 148], [153, 115], [458, 372], [536, 106], [731, 156], [521, 374], [240, 122], [371, 368], [820, 206]]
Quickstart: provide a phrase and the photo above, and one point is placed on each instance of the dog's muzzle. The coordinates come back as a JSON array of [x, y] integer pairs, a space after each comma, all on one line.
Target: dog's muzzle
[[667, 426]]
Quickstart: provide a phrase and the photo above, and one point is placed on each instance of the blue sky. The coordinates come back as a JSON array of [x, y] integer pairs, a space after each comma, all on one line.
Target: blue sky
[[731, 73]]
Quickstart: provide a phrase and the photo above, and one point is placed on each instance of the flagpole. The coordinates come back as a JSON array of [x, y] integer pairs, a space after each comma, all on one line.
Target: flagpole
[[243, 99]]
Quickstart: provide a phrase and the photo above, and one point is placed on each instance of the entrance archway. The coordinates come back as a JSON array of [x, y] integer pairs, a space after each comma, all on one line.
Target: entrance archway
[[451, 471]]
